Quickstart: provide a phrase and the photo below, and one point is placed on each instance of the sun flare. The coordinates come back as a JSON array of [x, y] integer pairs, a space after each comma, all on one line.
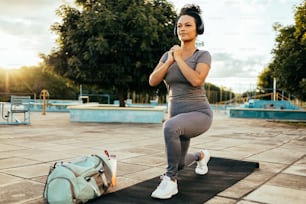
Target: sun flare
[[14, 54]]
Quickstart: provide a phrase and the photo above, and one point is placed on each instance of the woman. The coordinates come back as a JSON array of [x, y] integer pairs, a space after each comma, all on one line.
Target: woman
[[184, 69]]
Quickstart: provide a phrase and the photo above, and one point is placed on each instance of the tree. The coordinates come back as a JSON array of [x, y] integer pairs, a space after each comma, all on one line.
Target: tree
[[114, 44], [289, 62], [27, 80], [265, 84], [265, 80]]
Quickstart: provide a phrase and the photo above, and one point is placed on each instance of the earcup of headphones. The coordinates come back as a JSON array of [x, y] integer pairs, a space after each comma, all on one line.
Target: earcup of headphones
[[200, 29], [175, 30]]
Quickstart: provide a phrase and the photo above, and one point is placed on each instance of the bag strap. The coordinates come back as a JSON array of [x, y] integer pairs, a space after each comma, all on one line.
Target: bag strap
[[100, 159], [105, 183], [104, 161]]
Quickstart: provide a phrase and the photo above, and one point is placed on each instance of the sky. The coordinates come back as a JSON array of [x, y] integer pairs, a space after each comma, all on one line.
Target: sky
[[238, 34]]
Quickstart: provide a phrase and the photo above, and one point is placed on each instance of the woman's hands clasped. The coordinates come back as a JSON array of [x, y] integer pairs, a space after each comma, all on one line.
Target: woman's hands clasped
[[175, 53]]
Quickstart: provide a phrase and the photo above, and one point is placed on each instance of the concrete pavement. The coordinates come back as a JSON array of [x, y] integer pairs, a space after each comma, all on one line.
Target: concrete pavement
[[27, 151]]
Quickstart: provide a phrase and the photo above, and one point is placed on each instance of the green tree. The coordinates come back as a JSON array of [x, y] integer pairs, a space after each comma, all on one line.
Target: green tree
[[265, 79], [31, 80], [289, 62], [114, 44]]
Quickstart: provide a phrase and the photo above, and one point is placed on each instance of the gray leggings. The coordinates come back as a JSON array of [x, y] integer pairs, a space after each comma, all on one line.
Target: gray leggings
[[178, 131]]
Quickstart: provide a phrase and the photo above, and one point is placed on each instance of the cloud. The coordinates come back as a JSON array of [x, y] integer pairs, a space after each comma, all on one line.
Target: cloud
[[30, 16], [26, 24], [226, 65], [25, 30], [26, 7]]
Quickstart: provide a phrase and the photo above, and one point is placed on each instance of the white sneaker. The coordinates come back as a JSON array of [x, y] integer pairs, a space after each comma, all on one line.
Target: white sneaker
[[202, 168], [166, 189]]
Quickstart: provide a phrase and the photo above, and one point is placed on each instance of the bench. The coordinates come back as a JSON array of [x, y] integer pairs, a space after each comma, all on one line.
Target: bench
[[19, 105]]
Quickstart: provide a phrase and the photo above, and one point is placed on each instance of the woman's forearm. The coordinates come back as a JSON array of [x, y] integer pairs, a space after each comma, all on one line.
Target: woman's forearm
[[159, 73], [194, 77]]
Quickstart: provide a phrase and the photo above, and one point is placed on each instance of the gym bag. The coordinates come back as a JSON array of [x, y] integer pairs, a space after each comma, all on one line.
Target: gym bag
[[78, 181]]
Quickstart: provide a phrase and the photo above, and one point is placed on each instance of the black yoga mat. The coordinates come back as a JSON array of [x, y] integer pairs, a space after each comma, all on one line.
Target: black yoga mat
[[193, 189]]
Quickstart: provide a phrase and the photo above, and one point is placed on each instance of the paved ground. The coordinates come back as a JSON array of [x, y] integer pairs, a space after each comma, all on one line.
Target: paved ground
[[26, 152]]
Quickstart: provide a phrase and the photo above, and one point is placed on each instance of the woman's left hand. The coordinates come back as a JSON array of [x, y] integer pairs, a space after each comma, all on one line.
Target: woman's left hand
[[177, 52]]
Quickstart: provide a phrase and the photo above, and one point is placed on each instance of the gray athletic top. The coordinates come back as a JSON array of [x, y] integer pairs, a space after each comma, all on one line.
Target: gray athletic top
[[181, 91]]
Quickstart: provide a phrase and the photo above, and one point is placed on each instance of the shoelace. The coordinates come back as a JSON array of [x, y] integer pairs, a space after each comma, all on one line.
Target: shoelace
[[161, 177], [164, 183]]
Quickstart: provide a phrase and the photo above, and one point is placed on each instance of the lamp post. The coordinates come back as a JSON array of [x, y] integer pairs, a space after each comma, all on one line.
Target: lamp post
[[274, 89]]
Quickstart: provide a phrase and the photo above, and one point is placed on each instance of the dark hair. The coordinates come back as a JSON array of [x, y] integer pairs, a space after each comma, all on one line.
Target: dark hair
[[193, 11], [188, 8]]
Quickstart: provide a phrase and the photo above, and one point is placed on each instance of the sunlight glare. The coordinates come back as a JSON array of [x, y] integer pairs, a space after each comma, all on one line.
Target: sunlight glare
[[14, 56]]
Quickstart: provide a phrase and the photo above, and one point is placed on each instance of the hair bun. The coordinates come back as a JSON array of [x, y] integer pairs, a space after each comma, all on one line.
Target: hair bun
[[190, 8]]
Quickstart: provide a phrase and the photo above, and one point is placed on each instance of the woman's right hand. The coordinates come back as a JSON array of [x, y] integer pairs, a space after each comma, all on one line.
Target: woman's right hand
[[170, 59]]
